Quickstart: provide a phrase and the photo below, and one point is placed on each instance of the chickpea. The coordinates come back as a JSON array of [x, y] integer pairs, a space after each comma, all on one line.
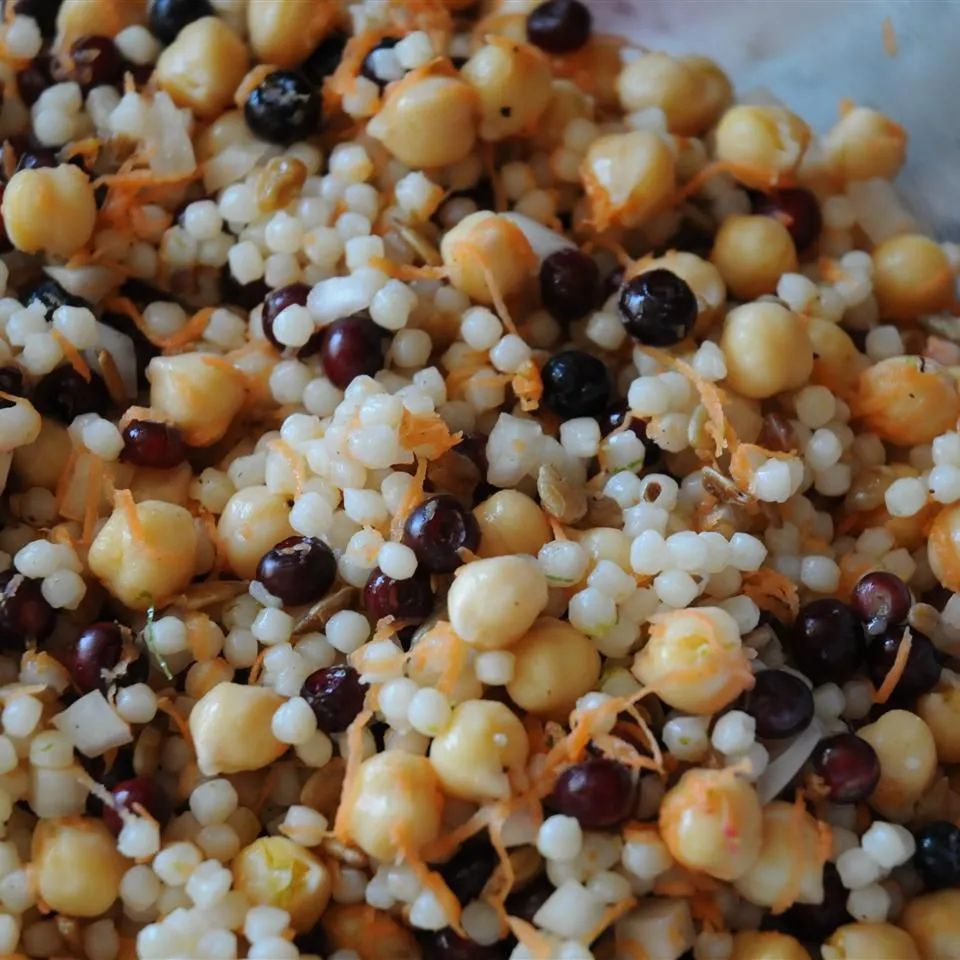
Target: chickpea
[[226, 130], [276, 872], [752, 253], [933, 920], [145, 553], [427, 121], [700, 275], [521, 594], [230, 725], [51, 209], [40, 464], [254, 520], [482, 743], [371, 934], [790, 862], [323, 787], [943, 547], [484, 251], [940, 710], [555, 666], [864, 144], [837, 363], [870, 941], [76, 865], [567, 102], [766, 143], [766, 349], [627, 177], [203, 66], [428, 664], [691, 91], [754, 945], [286, 32], [907, 400], [664, 921], [397, 803], [103, 18], [198, 392], [694, 660], [605, 543], [908, 762], [911, 276], [711, 822], [511, 522]]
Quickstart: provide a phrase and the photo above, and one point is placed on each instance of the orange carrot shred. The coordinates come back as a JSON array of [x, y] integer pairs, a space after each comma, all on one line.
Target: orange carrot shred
[[890, 45], [341, 826], [72, 354], [895, 672]]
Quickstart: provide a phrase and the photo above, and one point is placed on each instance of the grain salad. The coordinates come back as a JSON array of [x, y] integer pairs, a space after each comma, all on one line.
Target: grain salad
[[472, 489]]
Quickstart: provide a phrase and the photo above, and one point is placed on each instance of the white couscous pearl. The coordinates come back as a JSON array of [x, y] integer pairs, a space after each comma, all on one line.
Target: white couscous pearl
[[560, 838], [294, 722]]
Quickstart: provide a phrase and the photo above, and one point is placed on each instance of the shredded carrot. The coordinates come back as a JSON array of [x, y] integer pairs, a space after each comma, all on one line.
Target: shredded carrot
[[609, 916], [295, 461], [444, 846], [497, 296], [895, 672], [406, 271], [411, 499], [791, 889], [747, 459], [890, 45], [72, 354], [498, 816], [441, 645], [165, 705], [741, 171], [538, 945], [66, 475], [348, 792], [255, 76], [426, 435], [528, 386], [429, 879], [256, 668], [772, 591]]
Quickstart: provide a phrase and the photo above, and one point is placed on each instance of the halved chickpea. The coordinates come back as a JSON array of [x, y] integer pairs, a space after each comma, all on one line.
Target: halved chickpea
[[203, 66], [555, 666], [99, 18], [789, 866], [511, 522], [837, 363], [700, 275], [766, 349], [198, 392], [76, 866], [370, 934], [864, 144], [485, 251], [911, 276], [711, 822], [907, 400], [694, 660], [627, 177], [933, 920], [940, 710], [752, 253], [276, 872], [286, 32], [483, 742], [397, 804], [870, 941], [512, 82], [765, 143], [767, 945], [145, 553], [908, 762], [254, 520]]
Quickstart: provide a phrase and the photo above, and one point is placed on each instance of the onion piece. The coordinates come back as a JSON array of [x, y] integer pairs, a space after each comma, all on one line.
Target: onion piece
[[92, 282], [543, 240], [879, 210], [784, 768], [92, 725]]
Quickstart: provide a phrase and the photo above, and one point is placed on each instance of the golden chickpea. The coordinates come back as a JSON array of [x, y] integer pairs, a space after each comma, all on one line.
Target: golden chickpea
[[711, 822], [940, 710], [226, 130], [911, 276], [397, 803], [567, 102], [198, 392], [870, 941], [627, 177], [943, 547], [700, 275], [766, 143], [908, 762], [40, 464], [933, 920], [484, 251], [77, 868], [691, 91], [429, 663], [103, 18], [511, 522], [518, 584], [145, 553], [254, 520], [837, 363], [766, 349], [694, 660], [203, 66], [754, 945], [864, 144], [605, 543], [555, 666], [51, 210], [483, 742], [790, 862], [371, 934], [286, 32], [512, 82], [907, 400], [230, 725], [752, 253], [276, 872], [427, 121]]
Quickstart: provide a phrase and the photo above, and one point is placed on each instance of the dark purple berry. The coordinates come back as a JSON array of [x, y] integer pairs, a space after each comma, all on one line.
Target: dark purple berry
[[335, 695], [445, 944], [938, 854], [38, 159], [369, 61], [437, 530], [245, 295], [410, 601], [351, 347], [569, 281], [828, 643], [97, 652], [613, 418], [527, 901], [881, 599], [658, 308], [298, 570], [36, 77], [780, 702], [276, 302], [816, 921], [11, 380], [95, 62], [559, 26], [64, 394], [150, 443], [922, 670], [168, 17], [48, 291], [598, 792], [144, 792], [848, 766], [282, 108], [797, 209], [576, 384], [24, 613], [466, 873], [325, 59]]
